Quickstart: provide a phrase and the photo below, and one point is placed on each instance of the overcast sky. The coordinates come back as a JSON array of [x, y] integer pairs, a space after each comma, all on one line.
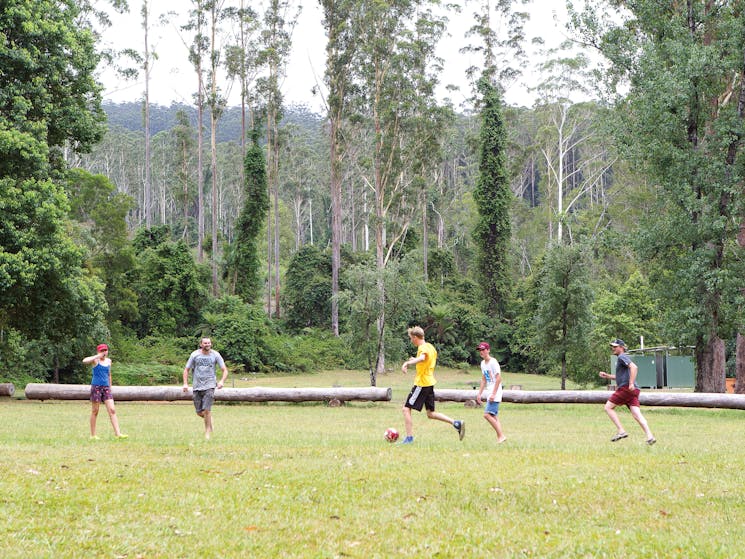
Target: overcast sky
[[173, 78]]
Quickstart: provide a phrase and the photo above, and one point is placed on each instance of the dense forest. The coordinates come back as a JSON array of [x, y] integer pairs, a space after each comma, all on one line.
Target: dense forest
[[612, 207]]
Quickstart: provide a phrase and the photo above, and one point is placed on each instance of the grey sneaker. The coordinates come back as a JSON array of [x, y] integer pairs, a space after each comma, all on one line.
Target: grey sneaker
[[651, 441], [460, 426], [618, 437]]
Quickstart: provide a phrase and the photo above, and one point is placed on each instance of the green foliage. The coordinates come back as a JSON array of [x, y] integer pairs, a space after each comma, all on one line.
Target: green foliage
[[307, 291], [170, 286], [678, 123], [101, 211], [493, 198], [47, 64], [239, 331], [313, 350], [563, 317], [627, 312], [405, 297], [15, 363]]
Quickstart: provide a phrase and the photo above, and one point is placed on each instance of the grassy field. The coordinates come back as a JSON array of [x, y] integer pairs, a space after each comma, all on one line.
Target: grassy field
[[307, 480]]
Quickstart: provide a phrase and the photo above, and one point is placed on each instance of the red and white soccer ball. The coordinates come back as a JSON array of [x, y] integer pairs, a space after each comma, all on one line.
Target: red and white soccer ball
[[391, 435]]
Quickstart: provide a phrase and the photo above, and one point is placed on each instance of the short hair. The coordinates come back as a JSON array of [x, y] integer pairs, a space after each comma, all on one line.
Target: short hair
[[416, 331]]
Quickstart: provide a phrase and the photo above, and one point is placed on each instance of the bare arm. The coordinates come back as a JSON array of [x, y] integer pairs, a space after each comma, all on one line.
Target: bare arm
[[93, 359], [224, 376], [413, 361], [633, 370]]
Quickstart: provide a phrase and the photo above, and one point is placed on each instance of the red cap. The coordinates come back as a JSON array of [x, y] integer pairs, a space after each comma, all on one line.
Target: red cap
[[102, 347], [482, 345]]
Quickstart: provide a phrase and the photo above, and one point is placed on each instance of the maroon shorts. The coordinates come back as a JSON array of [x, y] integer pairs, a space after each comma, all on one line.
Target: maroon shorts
[[625, 396]]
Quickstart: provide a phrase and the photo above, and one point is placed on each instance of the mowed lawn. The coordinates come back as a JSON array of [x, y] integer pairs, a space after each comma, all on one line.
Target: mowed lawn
[[308, 480]]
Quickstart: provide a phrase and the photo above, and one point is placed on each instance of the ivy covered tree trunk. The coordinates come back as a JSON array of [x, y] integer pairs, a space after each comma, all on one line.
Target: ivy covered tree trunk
[[245, 249], [493, 199]]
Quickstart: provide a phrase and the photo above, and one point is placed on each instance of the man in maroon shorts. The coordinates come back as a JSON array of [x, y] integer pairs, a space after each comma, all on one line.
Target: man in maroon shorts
[[626, 394]]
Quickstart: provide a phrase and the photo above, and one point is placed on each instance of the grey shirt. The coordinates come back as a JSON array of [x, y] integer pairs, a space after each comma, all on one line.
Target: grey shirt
[[204, 368]]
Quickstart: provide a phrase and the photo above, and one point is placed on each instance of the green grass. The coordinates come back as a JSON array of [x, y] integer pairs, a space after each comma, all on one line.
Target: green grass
[[307, 480]]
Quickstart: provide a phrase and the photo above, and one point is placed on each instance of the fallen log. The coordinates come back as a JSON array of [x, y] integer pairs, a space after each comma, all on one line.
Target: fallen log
[[40, 391], [7, 389], [671, 399]]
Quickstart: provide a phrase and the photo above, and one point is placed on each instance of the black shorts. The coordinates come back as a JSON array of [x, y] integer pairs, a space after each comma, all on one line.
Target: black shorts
[[421, 396]]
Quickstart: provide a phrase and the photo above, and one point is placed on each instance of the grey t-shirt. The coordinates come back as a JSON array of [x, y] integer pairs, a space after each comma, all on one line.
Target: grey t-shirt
[[204, 370]]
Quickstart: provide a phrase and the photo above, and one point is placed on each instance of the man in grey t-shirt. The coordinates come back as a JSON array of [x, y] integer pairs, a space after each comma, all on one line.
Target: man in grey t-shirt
[[204, 362]]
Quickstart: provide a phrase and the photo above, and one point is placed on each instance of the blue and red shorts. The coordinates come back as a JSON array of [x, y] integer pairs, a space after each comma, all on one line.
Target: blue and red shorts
[[100, 393]]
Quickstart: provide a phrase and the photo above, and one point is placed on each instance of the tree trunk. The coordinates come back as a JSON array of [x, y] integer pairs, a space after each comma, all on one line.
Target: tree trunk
[[740, 364], [663, 398], [148, 194], [335, 221], [38, 391], [710, 364]]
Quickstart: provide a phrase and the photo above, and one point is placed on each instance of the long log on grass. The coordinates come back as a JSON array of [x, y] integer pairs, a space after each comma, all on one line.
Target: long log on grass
[[672, 399], [7, 389], [39, 391]]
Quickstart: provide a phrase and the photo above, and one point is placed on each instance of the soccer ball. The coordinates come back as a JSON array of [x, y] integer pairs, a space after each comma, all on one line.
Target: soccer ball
[[391, 435]]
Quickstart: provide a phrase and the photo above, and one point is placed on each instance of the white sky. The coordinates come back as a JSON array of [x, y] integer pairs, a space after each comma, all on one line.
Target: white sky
[[173, 79]]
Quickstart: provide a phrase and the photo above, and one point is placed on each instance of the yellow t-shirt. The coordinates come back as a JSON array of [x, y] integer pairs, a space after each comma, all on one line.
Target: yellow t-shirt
[[425, 370]]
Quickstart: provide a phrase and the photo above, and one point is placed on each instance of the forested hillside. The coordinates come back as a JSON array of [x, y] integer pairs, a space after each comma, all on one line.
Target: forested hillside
[[301, 241]]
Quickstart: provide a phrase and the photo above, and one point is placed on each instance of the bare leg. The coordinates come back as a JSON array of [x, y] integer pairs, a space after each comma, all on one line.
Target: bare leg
[[610, 409], [94, 417], [207, 415], [494, 422], [636, 413], [112, 416], [408, 425], [439, 417]]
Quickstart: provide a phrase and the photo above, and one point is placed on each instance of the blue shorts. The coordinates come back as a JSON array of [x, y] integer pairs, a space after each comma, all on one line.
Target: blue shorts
[[492, 408]]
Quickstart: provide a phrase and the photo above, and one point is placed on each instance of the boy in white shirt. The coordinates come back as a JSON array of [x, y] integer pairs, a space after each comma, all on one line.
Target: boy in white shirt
[[491, 381]]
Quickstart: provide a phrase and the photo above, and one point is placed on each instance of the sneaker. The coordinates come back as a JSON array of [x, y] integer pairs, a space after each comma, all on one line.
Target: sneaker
[[618, 437], [122, 436], [651, 441], [460, 426], [407, 440], [95, 438]]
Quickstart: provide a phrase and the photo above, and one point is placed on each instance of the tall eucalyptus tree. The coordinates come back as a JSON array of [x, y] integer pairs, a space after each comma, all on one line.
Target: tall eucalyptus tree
[[198, 49], [397, 69], [279, 22], [339, 22], [682, 122]]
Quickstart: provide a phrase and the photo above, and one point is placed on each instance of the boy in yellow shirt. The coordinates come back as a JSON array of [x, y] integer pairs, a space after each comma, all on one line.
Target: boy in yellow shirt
[[423, 392]]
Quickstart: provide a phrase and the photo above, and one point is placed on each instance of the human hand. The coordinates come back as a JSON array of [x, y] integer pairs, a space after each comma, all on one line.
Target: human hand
[[219, 385], [186, 388]]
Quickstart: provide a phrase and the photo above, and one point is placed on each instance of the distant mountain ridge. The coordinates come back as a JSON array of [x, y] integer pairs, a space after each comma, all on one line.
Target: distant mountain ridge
[[129, 116]]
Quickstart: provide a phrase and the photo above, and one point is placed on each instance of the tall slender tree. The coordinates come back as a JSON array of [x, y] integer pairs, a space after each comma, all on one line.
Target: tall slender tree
[[339, 24], [245, 249], [689, 54], [493, 199]]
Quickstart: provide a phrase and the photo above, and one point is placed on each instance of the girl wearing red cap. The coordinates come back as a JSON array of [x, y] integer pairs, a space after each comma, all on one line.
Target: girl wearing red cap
[[101, 389]]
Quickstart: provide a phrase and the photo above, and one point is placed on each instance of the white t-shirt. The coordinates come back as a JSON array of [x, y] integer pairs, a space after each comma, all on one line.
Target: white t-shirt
[[490, 371]]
